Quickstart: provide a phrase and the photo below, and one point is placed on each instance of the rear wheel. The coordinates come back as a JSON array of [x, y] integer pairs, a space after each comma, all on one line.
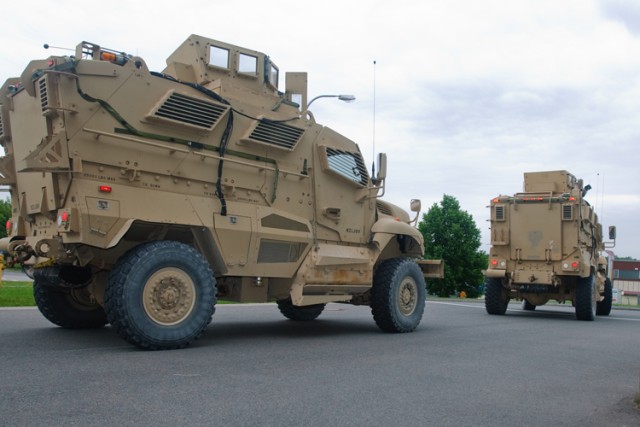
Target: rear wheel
[[527, 306], [586, 299], [69, 308], [299, 313], [496, 296], [398, 295], [603, 308], [161, 295]]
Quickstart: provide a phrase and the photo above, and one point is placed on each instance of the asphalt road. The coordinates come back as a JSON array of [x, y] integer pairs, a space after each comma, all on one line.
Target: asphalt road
[[252, 367], [14, 276]]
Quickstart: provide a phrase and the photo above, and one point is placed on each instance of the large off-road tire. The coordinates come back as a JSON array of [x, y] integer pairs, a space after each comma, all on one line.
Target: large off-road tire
[[527, 306], [398, 295], [586, 298], [603, 308], [161, 295], [304, 313], [496, 296], [69, 308]]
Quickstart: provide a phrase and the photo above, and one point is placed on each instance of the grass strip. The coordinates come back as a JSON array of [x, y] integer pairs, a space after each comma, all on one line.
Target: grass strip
[[16, 294]]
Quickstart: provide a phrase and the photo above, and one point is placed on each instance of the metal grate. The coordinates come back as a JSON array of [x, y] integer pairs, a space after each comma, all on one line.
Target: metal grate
[[384, 208], [273, 251], [1, 123], [44, 94], [499, 213], [277, 134], [183, 109], [567, 212]]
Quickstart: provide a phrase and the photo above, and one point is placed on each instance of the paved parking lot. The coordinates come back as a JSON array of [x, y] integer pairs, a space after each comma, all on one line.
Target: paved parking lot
[[252, 367]]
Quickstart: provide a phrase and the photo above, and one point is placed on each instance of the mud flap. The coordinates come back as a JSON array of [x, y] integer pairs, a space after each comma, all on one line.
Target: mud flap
[[431, 268]]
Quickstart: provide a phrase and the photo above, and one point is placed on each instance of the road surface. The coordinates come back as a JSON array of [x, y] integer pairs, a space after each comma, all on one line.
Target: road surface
[[252, 367]]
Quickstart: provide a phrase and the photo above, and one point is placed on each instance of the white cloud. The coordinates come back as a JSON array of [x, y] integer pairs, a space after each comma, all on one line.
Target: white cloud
[[469, 95]]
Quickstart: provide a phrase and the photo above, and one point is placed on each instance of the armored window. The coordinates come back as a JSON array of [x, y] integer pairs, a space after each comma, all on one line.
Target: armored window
[[347, 164], [247, 64], [567, 212], [219, 57], [499, 213], [273, 74]]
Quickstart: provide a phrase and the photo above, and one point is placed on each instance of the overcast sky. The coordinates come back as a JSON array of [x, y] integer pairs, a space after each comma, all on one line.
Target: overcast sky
[[469, 94]]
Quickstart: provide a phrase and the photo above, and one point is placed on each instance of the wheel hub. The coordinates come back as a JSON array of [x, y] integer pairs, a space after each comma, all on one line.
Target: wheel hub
[[169, 296], [408, 297]]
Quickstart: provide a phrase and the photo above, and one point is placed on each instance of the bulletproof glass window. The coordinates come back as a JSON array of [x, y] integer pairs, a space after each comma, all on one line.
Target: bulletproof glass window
[[218, 57], [347, 164], [247, 64]]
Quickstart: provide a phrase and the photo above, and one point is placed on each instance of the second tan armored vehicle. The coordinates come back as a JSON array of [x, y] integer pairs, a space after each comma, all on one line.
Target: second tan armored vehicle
[[141, 197], [547, 244]]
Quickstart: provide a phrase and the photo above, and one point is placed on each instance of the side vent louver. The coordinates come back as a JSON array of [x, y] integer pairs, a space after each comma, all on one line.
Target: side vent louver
[[499, 212], [185, 110], [276, 134], [47, 94], [384, 208], [567, 212], [2, 138]]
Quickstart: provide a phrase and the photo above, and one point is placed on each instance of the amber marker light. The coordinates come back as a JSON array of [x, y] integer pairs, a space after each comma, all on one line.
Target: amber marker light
[[108, 56]]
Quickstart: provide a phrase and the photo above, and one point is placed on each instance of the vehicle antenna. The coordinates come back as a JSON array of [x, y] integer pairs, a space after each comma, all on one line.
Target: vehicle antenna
[[373, 154], [47, 46]]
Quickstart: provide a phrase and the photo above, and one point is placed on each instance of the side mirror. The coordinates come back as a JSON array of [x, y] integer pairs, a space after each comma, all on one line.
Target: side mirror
[[612, 232], [382, 167], [416, 205]]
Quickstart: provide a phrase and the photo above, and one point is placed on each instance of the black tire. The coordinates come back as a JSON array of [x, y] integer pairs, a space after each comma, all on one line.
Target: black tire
[[68, 308], [586, 299], [161, 295], [304, 314], [527, 306], [603, 308], [398, 295], [496, 296]]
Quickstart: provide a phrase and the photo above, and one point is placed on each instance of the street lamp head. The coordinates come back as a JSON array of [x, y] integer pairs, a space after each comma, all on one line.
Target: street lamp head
[[346, 98]]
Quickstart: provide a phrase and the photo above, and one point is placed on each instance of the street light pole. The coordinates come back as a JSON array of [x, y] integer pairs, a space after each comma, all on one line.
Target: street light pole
[[345, 98]]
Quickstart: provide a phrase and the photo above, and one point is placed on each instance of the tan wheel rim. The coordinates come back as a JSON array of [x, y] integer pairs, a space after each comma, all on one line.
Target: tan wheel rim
[[407, 296], [169, 296]]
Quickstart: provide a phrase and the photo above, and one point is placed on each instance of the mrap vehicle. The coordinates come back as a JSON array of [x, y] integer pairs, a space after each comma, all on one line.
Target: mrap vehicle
[[141, 197], [547, 244]]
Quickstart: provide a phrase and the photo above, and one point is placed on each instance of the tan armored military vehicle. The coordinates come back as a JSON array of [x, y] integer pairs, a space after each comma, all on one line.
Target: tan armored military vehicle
[[546, 244], [140, 197]]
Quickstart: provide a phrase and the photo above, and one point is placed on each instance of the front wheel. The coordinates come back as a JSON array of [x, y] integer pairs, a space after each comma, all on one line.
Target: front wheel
[[586, 299], [161, 295], [496, 296], [603, 308], [68, 308], [398, 295], [299, 313]]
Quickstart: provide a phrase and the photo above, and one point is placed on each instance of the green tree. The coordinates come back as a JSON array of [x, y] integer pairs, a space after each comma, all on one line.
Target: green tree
[[5, 214], [625, 258], [452, 235]]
